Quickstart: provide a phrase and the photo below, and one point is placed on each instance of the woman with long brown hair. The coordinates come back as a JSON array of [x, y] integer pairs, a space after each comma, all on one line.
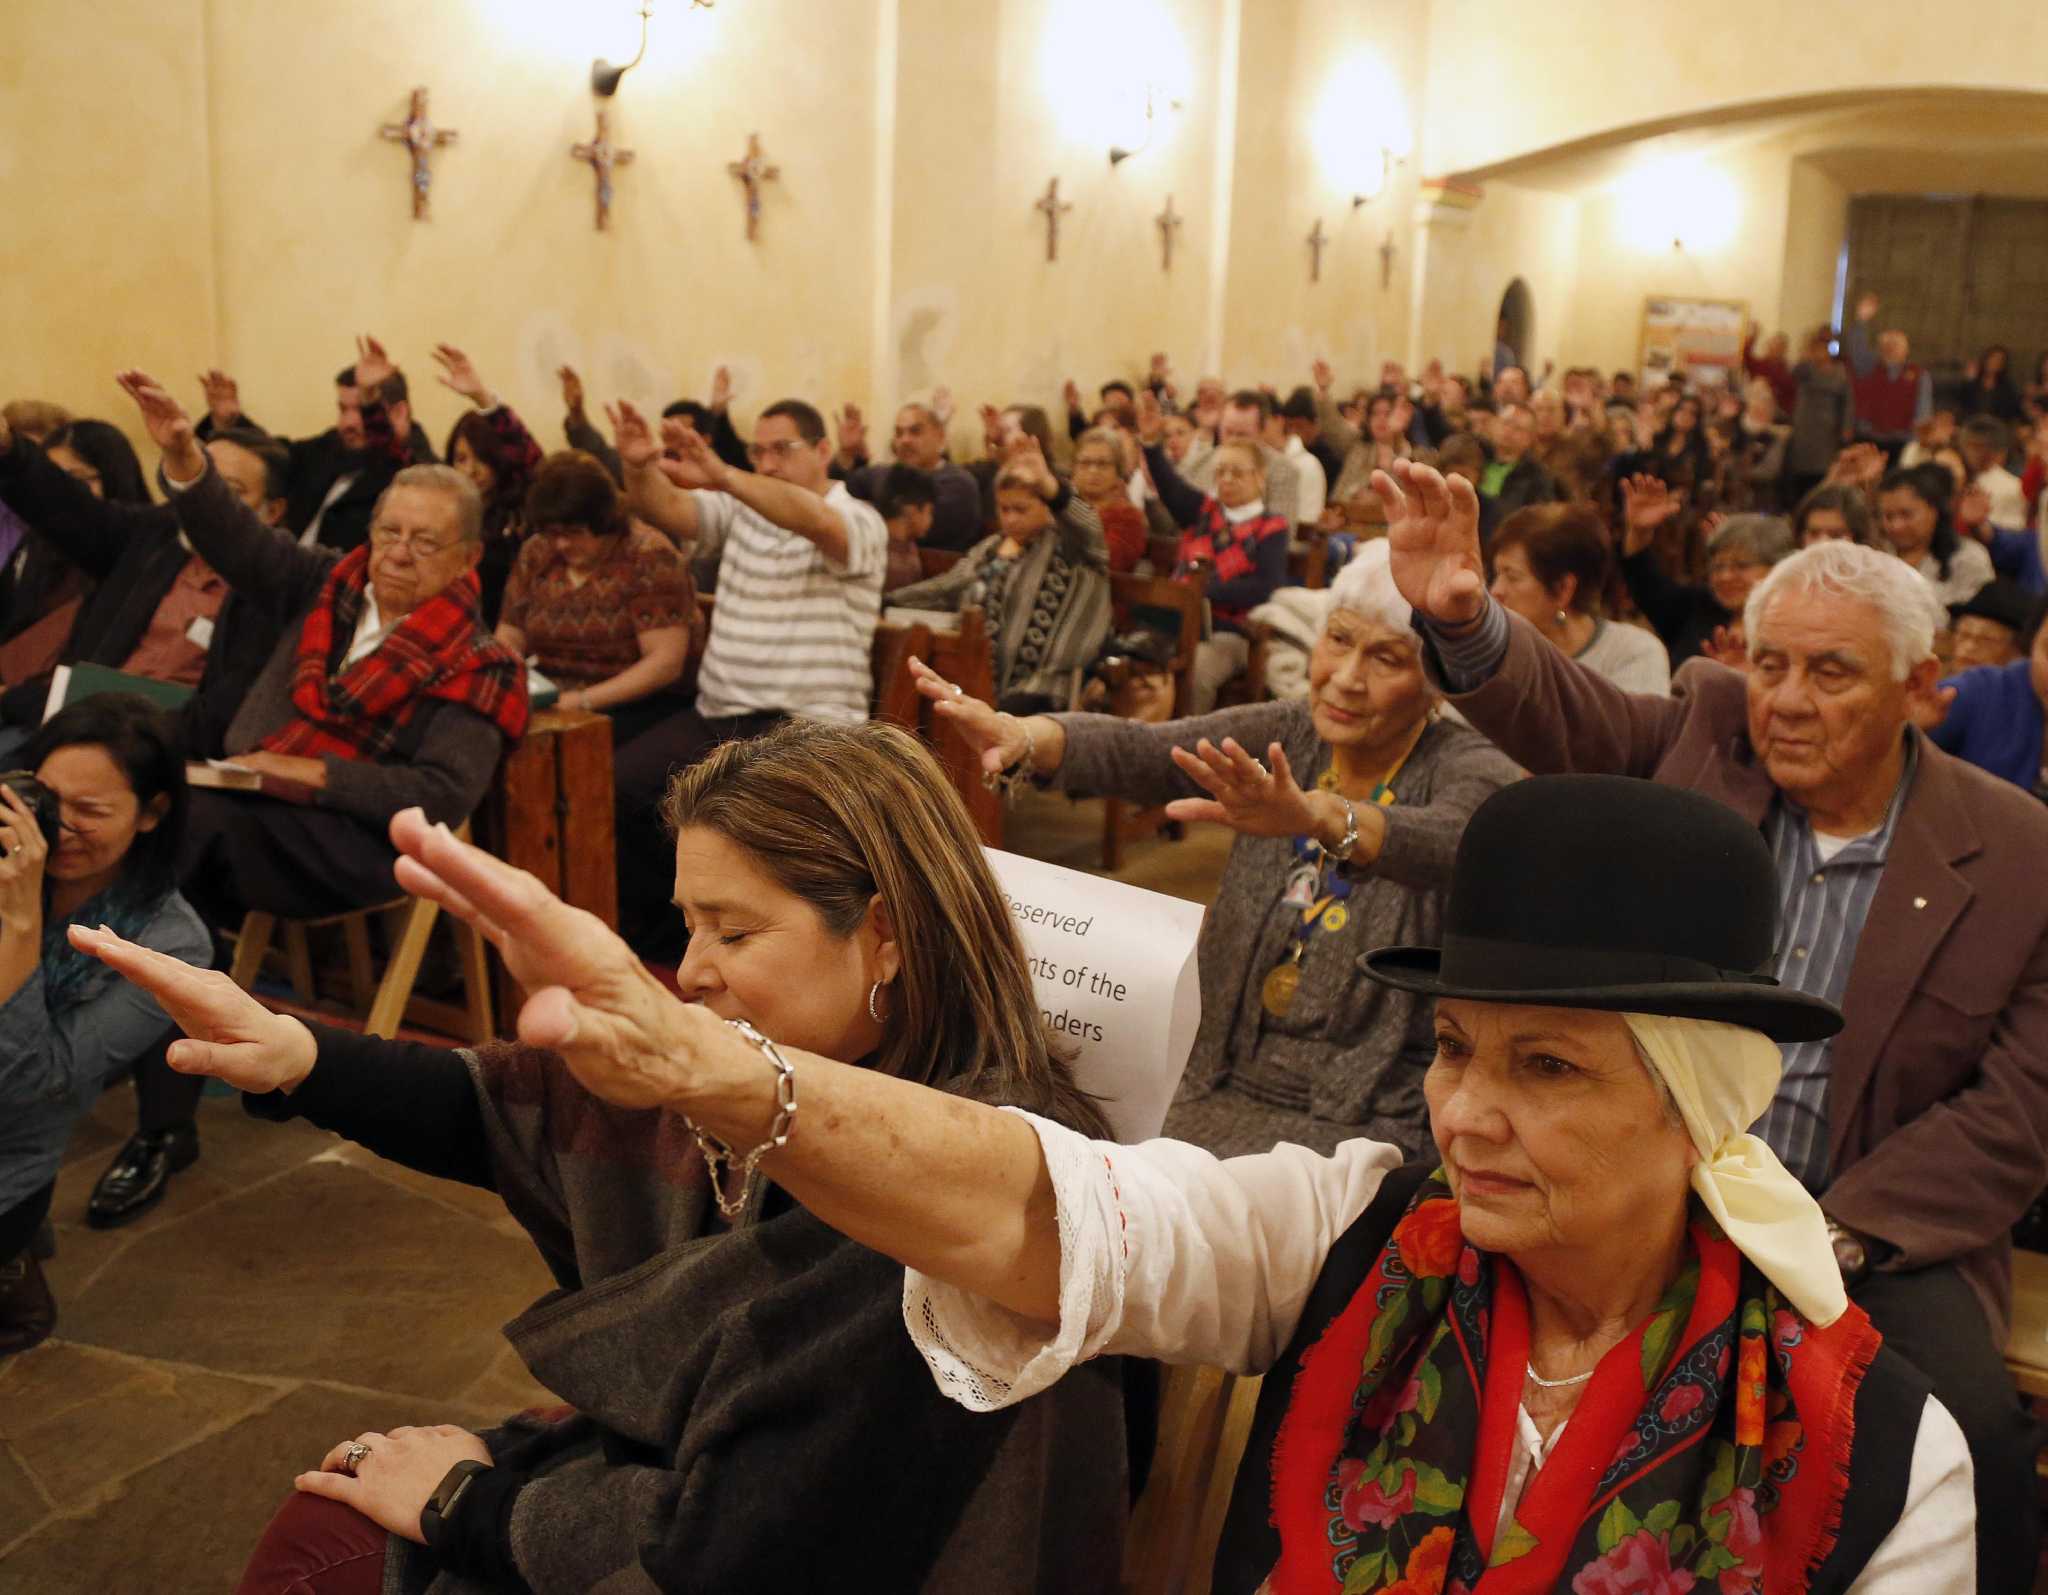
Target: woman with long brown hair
[[745, 1412]]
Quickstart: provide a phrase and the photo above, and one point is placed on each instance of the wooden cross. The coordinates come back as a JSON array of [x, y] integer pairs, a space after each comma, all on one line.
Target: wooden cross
[[1054, 208], [1168, 224], [603, 156], [1387, 261], [753, 172], [1316, 239], [420, 137]]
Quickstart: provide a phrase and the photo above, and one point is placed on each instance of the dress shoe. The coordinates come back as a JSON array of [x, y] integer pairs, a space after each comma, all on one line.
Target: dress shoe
[[135, 1180], [27, 1310]]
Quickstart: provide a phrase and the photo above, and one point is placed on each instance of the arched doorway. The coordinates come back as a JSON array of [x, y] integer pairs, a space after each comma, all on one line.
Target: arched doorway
[[1516, 329]]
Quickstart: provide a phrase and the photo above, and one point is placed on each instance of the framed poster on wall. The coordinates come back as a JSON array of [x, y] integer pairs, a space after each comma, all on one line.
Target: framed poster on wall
[[1700, 337]]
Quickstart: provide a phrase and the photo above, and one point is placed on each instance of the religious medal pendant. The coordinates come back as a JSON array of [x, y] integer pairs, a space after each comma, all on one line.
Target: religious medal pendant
[[1301, 887], [1276, 995]]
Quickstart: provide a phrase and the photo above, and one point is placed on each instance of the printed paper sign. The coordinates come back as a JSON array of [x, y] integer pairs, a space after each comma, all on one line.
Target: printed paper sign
[[1114, 968]]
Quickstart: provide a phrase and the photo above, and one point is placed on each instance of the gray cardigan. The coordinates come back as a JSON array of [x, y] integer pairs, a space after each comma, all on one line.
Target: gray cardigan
[[450, 752], [1362, 1045]]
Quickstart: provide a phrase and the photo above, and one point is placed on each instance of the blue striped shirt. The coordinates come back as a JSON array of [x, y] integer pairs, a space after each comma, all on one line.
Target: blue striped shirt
[[1822, 905]]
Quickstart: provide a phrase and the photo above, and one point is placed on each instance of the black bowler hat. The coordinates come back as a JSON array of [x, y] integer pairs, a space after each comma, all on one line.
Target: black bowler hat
[[1602, 891], [2002, 600]]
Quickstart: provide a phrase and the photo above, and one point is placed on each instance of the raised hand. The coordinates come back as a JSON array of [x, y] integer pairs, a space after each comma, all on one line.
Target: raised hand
[[1727, 647], [1158, 369], [459, 373], [169, 427], [1866, 307], [1251, 798], [1647, 502], [572, 389], [853, 434], [1433, 541], [999, 738], [1324, 376], [1023, 454], [632, 436], [1151, 422], [1928, 709], [232, 1036], [721, 389], [624, 1035], [373, 365], [991, 429], [223, 396], [1071, 393], [942, 406], [691, 461]]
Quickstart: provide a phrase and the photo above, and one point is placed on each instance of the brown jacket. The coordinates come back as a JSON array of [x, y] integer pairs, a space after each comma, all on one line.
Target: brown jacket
[[1938, 1101]]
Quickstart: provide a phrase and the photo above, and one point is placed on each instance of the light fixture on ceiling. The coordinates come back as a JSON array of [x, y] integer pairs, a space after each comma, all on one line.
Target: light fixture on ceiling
[[1388, 161], [1118, 154]]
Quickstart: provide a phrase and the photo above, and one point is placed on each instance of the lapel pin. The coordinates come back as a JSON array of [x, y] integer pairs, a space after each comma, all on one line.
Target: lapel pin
[[1919, 902]]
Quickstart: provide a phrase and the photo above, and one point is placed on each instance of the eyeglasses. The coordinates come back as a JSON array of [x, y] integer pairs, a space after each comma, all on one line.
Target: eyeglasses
[[780, 449], [1732, 567], [417, 544]]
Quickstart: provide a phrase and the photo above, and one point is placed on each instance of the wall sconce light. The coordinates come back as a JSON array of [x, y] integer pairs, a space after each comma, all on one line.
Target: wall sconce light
[[604, 77], [1388, 161], [1118, 154]]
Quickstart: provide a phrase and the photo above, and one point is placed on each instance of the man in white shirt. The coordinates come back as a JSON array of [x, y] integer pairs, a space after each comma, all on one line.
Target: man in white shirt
[[800, 567], [1246, 416], [1984, 444]]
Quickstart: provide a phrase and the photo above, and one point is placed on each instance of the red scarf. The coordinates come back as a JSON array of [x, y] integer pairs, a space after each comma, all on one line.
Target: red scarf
[[440, 650], [1710, 1450]]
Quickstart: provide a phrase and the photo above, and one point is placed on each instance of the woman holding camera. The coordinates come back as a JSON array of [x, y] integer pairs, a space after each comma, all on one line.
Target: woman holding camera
[[90, 840]]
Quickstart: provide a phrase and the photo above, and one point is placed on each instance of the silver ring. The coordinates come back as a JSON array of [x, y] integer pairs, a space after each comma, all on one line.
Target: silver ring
[[958, 690], [1263, 771], [352, 1458]]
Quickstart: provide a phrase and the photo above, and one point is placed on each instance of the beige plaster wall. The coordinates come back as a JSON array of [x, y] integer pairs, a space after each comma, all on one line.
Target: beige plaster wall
[[1506, 80], [1468, 259]]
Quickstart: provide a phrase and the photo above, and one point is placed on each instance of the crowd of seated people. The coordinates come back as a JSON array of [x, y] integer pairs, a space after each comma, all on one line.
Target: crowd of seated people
[[1815, 598]]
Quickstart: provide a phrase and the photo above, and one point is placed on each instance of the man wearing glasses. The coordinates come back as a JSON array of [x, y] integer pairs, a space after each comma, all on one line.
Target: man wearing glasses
[[800, 567], [385, 691]]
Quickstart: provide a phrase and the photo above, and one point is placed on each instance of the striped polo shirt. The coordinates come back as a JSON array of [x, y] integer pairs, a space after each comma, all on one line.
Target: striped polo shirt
[[792, 631], [1822, 905]]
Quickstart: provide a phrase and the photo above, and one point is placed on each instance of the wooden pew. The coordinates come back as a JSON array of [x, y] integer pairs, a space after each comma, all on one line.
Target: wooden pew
[[896, 696], [934, 562], [967, 659], [1184, 599], [550, 812]]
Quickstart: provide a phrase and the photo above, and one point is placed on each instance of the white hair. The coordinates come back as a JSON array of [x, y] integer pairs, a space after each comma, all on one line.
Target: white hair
[[1905, 603], [1365, 586]]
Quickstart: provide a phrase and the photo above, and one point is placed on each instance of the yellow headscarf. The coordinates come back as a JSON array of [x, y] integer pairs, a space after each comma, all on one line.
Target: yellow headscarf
[[1722, 1078]]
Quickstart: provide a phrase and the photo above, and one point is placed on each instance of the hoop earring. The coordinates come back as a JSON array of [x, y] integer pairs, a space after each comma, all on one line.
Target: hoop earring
[[874, 1012]]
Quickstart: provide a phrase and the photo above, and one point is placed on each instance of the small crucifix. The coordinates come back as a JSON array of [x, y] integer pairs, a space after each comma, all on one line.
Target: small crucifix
[[1387, 261], [1316, 239], [603, 156], [1168, 222], [753, 172], [420, 137], [1054, 208]]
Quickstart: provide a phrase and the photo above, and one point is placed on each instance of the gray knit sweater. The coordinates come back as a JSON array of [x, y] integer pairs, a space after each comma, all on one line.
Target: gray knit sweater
[[1348, 1058]]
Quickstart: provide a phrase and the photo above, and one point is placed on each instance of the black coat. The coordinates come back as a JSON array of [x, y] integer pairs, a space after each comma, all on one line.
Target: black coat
[[314, 465], [134, 553]]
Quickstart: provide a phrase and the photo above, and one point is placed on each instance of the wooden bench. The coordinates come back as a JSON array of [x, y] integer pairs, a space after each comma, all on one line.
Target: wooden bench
[[1205, 1417], [967, 659], [1184, 601], [550, 812], [2026, 1347]]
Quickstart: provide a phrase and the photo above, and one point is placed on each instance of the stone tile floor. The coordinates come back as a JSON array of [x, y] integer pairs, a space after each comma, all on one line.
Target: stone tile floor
[[290, 1291]]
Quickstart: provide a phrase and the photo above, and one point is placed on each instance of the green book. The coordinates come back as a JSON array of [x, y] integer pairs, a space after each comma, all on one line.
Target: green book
[[71, 684]]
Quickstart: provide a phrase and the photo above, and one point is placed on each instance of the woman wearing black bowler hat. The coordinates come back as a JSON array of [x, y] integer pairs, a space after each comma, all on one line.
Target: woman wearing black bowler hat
[[1602, 1346]]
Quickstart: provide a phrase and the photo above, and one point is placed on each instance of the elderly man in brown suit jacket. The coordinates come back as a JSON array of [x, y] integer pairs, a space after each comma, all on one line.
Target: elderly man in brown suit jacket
[[1912, 895]]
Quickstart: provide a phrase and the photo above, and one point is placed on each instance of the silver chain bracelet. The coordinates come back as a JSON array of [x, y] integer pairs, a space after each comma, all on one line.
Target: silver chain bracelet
[[1008, 783], [717, 1153]]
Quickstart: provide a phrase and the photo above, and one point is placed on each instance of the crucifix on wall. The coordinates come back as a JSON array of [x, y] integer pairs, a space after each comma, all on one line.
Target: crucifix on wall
[[1387, 261], [603, 157], [1316, 239], [421, 138], [752, 173], [1054, 208], [1168, 222]]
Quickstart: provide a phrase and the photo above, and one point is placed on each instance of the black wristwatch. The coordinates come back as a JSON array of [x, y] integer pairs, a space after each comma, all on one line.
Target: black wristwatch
[[437, 1517]]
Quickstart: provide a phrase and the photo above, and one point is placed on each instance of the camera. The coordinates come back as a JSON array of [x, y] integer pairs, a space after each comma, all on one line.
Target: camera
[[39, 798]]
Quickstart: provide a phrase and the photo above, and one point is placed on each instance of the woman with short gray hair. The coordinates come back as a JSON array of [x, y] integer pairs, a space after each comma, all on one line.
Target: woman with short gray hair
[[1687, 614], [1348, 807]]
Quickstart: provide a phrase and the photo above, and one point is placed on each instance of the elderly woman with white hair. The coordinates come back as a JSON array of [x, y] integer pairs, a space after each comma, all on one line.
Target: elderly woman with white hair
[[1348, 806]]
